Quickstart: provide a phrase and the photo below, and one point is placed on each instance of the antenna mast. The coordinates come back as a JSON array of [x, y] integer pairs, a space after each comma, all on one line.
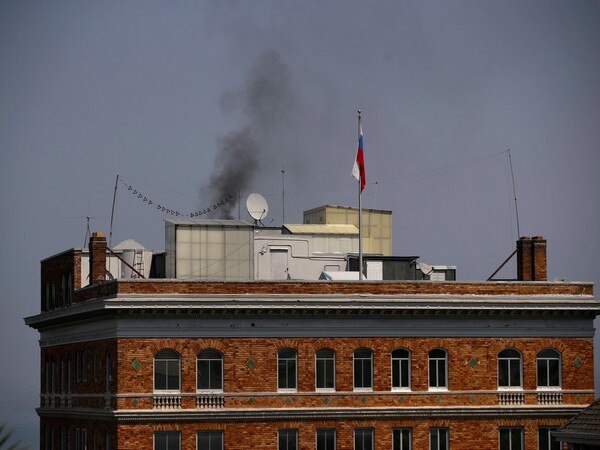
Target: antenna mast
[[512, 174], [283, 194]]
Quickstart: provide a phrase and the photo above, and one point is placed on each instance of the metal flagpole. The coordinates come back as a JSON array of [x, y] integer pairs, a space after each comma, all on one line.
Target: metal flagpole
[[360, 252]]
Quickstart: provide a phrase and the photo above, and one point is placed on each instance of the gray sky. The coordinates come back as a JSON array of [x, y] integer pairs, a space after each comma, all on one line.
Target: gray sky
[[155, 91]]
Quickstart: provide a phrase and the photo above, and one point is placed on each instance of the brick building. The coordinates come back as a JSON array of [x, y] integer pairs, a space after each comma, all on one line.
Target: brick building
[[210, 365]]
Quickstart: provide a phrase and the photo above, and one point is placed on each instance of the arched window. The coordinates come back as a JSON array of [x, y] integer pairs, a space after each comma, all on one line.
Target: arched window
[[438, 369], [509, 369], [548, 369], [209, 364], [325, 369], [167, 371], [401, 369], [363, 369], [287, 359]]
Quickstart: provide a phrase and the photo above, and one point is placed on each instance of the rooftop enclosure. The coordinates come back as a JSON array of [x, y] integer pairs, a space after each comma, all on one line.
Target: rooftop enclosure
[[377, 225]]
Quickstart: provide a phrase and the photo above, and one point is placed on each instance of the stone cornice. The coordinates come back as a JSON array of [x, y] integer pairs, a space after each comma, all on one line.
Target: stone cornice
[[280, 414]]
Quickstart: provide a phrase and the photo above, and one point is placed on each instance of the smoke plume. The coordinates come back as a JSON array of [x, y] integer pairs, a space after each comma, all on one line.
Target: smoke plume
[[265, 102]]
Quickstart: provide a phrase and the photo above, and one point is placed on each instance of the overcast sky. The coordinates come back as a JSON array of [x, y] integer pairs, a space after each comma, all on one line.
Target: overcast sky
[[171, 95]]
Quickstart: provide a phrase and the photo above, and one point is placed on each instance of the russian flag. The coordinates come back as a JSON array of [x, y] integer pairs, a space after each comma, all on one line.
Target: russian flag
[[358, 171]]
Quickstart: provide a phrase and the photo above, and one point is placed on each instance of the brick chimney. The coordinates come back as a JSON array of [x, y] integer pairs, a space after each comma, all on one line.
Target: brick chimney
[[97, 258], [531, 259]]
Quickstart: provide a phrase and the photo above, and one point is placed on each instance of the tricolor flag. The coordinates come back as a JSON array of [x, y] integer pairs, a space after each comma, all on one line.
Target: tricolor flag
[[358, 171]]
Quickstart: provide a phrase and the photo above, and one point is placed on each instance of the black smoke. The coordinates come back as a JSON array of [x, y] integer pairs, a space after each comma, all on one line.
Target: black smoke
[[265, 102]]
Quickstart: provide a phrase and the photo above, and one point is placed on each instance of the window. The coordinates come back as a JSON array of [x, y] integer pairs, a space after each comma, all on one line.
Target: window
[[166, 371], [84, 366], [509, 369], [400, 369], [69, 288], [80, 439], [438, 439], [548, 369], [545, 439], [363, 439], [95, 365], [107, 441], [63, 375], [325, 369], [401, 439], [326, 439], [78, 366], [438, 369], [49, 444], [363, 369], [210, 440], [209, 371], [167, 440], [286, 369], [288, 439], [64, 436], [63, 291], [511, 439]]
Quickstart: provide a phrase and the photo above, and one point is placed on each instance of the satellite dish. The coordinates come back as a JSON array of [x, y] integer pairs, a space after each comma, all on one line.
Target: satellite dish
[[257, 206], [425, 268]]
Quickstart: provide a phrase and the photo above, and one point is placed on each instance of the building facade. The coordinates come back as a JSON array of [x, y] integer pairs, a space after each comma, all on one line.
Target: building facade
[[171, 364]]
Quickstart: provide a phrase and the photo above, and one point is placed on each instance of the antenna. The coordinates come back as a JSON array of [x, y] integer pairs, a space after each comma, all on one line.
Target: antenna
[[87, 232], [257, 207], [283, 193], [514, 192]]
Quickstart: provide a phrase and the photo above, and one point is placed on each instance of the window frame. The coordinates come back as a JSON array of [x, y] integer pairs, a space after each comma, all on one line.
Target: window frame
[[295, 359], [437, 430], [509, 359], [317, 359], [446, 370], [548, 431], [326, 430], [547, 359], [521, 431], [221, 360], [287, 430], [354, 358], [365, 429], [166, 391], [221, 434], [410, 440], [177, 432], [400, 359]]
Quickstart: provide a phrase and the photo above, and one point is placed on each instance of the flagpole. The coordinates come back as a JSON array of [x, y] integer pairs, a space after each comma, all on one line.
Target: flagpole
[[360, 252]]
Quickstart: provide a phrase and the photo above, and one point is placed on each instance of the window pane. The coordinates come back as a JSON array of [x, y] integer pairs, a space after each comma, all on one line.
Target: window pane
[[281, 375], [216, 377], [542, 372], [437, 353], [362, 353], [441, 374], [396, 373], [367, 378], [160, 375], [173, 375], [515, 373], [404, 373], [433, 439], [554, 372], [320, 374], [287, 439], [502, 372], [202, 374], [329, 374], [325, 353], [543, 439], [291, 374], [358, 375], [210, 440], [432, 373], [401, 439], [516, 439], [504, 439]]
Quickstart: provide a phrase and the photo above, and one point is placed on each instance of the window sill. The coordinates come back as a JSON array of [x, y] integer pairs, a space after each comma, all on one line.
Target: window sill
[[363, 389], [438, 389], [325, 390], [286, 391], [209, 391], [401, 389]]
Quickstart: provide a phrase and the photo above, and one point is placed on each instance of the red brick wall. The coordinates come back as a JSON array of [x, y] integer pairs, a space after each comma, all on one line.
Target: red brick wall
[[464, 434], [332, 288], [52, 271], [92, 385], [263, 377]]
